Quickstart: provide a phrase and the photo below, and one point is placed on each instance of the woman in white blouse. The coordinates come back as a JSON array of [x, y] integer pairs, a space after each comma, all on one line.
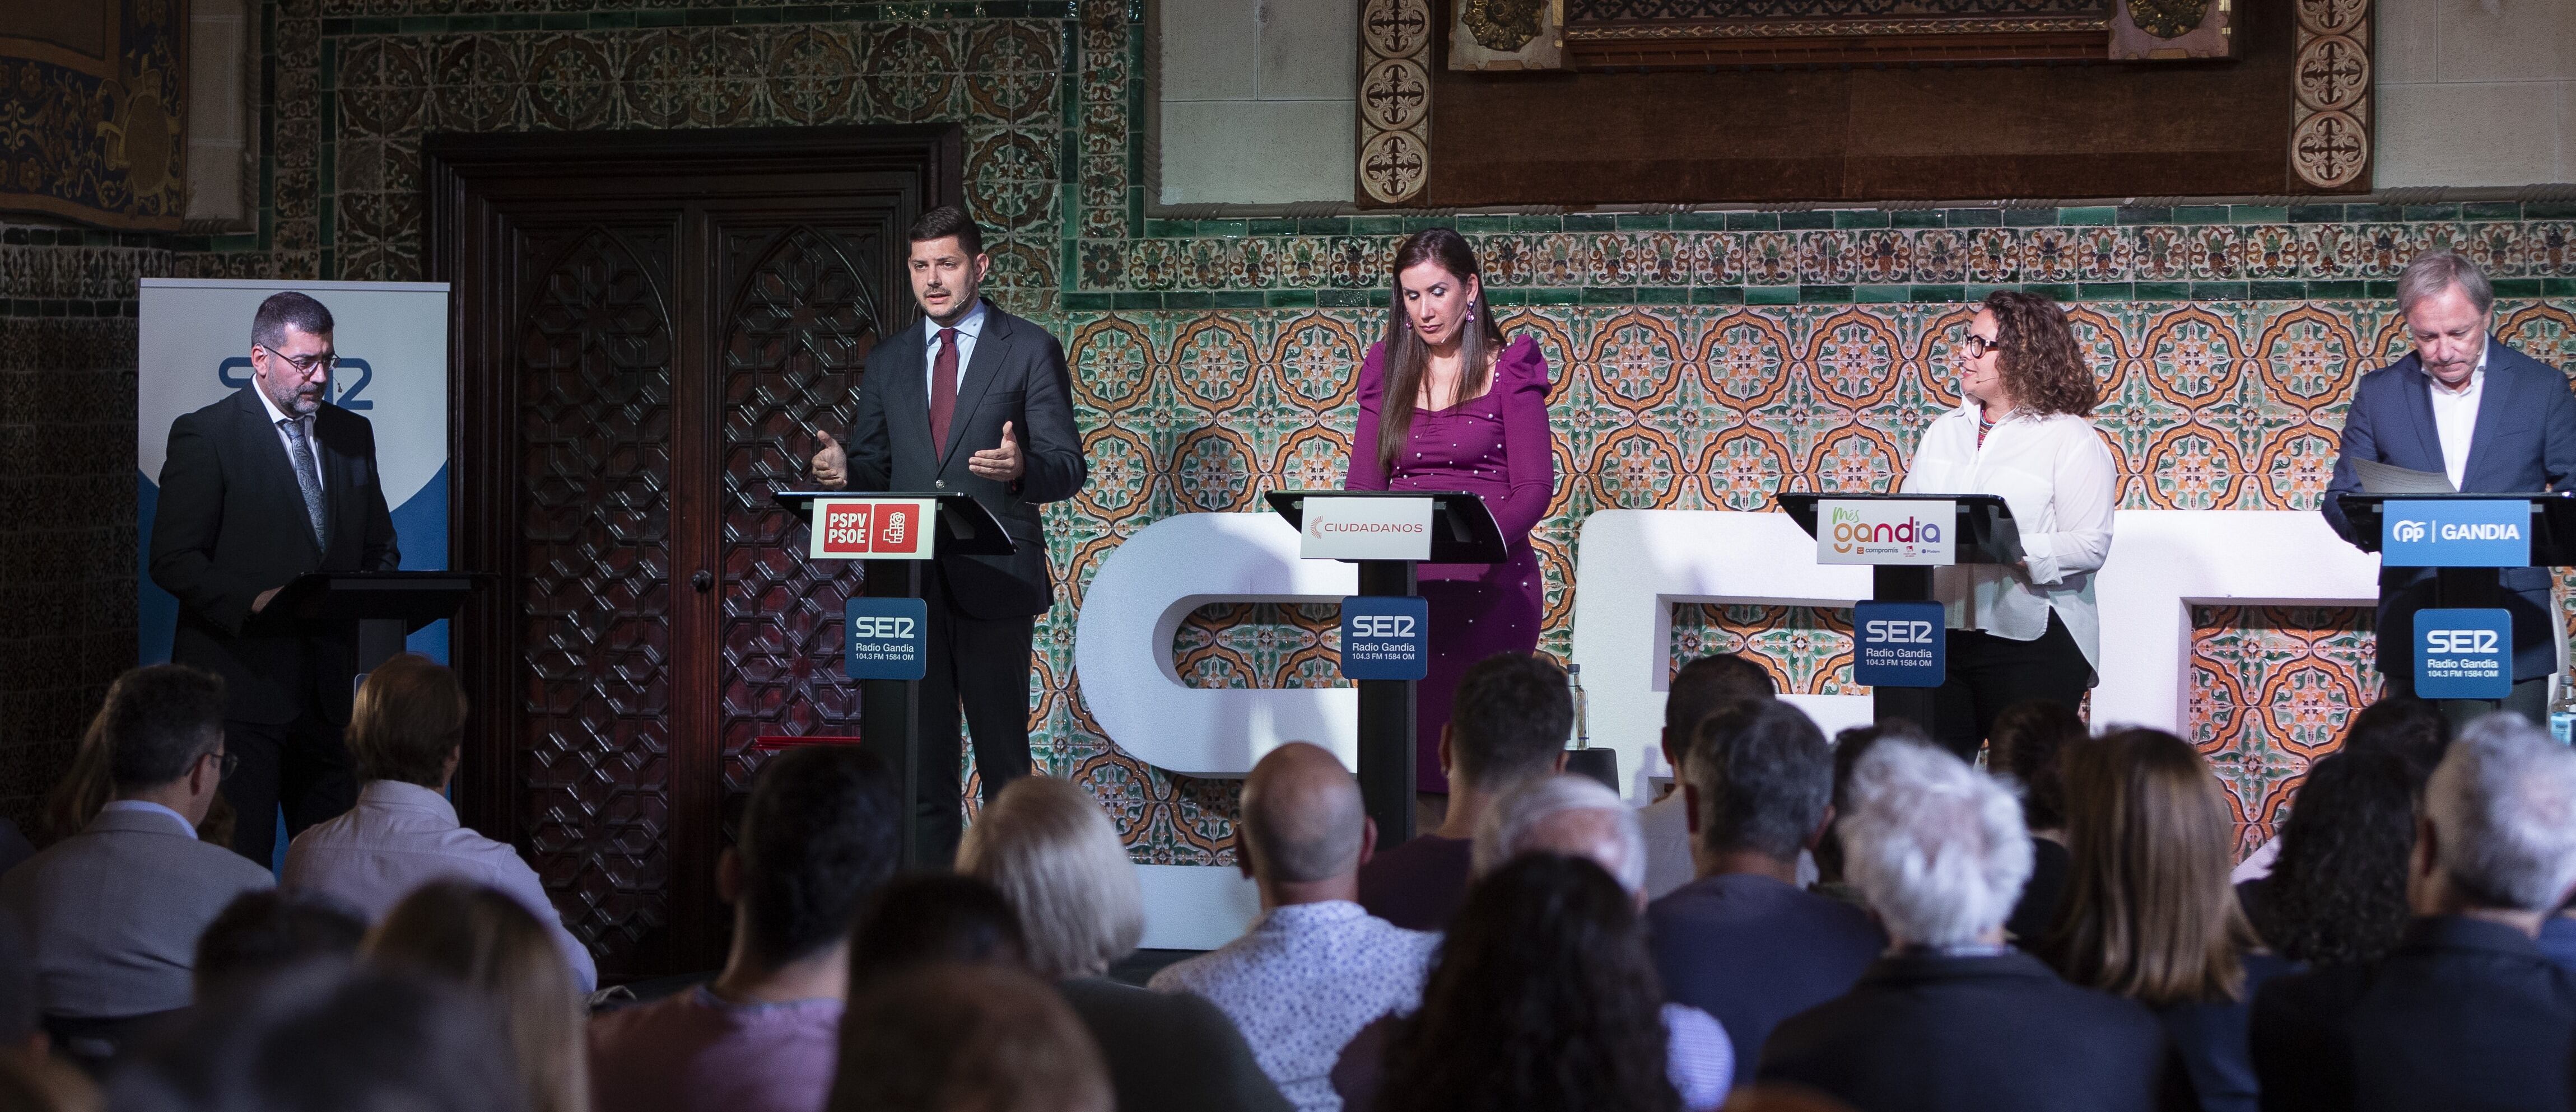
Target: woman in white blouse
[[2028, 630]]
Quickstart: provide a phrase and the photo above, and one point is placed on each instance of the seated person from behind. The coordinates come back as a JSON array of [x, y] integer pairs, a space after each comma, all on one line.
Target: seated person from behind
[[1698, 689], [1508, 725], [406, 729], [267, 931], [114, 911]]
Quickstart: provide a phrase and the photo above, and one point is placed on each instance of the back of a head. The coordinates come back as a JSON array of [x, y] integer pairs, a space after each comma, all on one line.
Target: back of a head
[[328, 1037], [2337, 893], [1544, 998], [930, 919], [1851, 744], [1510, 718], [1571, 815], [1051, 852], [959, 1038], [819, 835], [2149, 912], [158, 720], [1935, 847], [1764, 777], [1707, 683], [481, 938], [2414, 732], [406, 721], [272, 929], [1302, 818], [2503, 809], [2026, 741]]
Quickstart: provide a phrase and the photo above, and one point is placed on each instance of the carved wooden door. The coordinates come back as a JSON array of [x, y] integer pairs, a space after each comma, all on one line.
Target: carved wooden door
[[650, 327]]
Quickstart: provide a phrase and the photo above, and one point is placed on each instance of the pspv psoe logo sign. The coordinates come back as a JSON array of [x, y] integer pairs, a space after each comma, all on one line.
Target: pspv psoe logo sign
[[2463, 654], [1365, 529], [2455, 534], [886, 638], [1899, 644], [872, 529], [1881, 532], [1386, 637]]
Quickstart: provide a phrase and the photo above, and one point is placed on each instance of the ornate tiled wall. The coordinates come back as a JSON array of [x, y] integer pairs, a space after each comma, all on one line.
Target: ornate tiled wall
[[1706, 358]]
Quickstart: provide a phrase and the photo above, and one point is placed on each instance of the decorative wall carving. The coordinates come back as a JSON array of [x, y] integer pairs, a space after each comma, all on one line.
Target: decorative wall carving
[[2330, 131], [1395, 98], [94, 125]]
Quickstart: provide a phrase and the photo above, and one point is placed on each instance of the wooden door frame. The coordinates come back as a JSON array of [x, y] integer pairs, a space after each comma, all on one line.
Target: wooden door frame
[[470, 178]]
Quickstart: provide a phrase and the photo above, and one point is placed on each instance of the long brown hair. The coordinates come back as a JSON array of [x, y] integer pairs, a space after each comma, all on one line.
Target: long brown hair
[[1479, 343], [484, 940], [2149, 912], [2038, 356]]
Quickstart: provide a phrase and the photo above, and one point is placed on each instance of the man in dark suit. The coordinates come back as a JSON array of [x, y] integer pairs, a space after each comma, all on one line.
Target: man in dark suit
[[2490, 418], [259, 488], [1952, 1018], [931, 401], [2467, 1012]]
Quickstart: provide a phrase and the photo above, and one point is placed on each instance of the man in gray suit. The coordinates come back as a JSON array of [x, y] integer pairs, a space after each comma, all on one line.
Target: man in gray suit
[[972, 401], [114, 911]]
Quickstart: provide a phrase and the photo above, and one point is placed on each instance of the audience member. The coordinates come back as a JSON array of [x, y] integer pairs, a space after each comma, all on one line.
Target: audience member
[[932, 919], [486, 940], [2411, 730], [1952, 1018], [1743, 942], [1314, 967], [1698, 688], [966, 1038], [2466, 1012], [1508, 724], [1850, 745], [818, 837], [329, 1037], [406, 731], [113, 913], [2025, 745], [1543, 1000], [269, 930], [2337, 895], [1054, 857], [2149, 914], [86, 787]]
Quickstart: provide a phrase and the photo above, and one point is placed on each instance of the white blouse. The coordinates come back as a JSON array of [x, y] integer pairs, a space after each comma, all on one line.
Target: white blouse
[[2056, 474]]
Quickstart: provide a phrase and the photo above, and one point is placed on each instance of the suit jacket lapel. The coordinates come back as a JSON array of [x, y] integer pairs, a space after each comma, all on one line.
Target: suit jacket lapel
[[989, 348], [2495, 399], [278, 468], [2419, 407]]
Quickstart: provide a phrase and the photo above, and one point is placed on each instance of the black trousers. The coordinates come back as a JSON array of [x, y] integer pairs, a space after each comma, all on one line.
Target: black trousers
[[302, 767], [1987, 673], [982, 666]]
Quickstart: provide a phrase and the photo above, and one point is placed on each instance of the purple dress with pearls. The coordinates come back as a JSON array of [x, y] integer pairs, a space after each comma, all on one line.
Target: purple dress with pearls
[[1495, 445]]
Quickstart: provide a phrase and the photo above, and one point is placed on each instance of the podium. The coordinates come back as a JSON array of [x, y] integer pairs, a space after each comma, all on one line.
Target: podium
[[890, 710], [1462, 531], [1982, 532], [2466, 579], [386, 606]]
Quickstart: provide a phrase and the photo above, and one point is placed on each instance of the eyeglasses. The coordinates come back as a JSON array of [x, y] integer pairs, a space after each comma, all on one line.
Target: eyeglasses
[[304, 364], [225, 763], [1975, 345]]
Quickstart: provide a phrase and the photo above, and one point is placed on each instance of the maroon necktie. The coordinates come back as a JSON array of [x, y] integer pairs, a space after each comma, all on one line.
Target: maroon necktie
[[943, 390]]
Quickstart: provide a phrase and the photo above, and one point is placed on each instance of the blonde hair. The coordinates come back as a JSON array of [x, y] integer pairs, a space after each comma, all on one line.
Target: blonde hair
[[1052, 853], [407, 719], [483, 939]]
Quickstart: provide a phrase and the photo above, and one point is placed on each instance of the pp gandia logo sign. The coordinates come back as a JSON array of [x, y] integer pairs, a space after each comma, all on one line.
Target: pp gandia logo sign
[[2407, 532]]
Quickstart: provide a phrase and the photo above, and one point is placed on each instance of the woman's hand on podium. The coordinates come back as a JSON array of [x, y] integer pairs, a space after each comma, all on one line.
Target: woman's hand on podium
[[831, 465]]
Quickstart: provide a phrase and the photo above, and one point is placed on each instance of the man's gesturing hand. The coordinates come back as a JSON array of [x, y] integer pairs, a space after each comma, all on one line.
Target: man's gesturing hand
[[1001, 464], [831, 464]]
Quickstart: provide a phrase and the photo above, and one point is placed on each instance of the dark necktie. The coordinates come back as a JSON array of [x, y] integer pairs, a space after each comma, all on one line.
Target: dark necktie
[[943, 390], [306, 475]]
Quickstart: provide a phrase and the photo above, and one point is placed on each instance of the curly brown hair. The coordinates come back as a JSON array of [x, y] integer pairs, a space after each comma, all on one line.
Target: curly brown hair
[[2040, 361]]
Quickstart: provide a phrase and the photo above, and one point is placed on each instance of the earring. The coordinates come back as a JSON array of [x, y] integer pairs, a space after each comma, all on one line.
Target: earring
[[1471, 310]]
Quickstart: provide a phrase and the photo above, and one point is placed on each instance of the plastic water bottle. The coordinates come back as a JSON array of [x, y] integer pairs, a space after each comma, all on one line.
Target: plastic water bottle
[[1582, 708], [2562, 712]]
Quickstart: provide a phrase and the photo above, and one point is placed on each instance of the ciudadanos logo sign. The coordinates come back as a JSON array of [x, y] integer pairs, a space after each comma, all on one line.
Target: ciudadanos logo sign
[[1365, 529], [2456, 534], [1882, 532]]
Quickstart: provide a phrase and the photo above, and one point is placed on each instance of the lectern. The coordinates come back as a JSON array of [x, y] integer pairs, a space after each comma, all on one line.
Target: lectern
[[1871, 529], [890, 709], [1460, 530], [386, 606], [2468, 540]]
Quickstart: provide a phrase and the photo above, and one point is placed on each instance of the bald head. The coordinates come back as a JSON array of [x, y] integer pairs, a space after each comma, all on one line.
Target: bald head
[[1302, 817]]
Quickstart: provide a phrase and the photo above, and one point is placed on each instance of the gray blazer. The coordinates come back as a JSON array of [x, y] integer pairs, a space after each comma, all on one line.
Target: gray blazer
[[114, 913]]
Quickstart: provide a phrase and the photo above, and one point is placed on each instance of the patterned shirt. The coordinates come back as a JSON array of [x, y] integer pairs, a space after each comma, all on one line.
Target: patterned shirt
[[1302, 981]]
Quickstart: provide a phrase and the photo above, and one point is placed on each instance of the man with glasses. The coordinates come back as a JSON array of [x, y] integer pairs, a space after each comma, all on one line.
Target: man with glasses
[[259, 488], [114, 911]]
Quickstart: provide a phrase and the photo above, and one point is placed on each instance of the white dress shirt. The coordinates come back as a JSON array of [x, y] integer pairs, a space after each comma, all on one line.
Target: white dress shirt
[[2056, 475], [2455, 417], [401, 836], [1302, 981], [1666, 825], [182, 826], [303, 423], [967, 331]]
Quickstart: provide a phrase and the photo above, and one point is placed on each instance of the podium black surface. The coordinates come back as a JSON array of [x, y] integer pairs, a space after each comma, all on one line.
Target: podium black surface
[[1984, 533], [890, 710], [1462, 532], [387, 606]]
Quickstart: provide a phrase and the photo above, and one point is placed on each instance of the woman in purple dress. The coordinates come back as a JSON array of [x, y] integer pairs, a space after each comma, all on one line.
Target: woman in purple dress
[[1446, 405]]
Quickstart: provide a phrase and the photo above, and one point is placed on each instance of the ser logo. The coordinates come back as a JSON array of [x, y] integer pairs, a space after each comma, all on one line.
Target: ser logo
[[2407, 532], [1382, 625], [881, 627], [1896, 632], [2480, 641]]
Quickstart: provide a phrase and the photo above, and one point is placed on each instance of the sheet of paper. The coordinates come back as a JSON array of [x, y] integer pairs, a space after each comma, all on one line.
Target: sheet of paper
[[2383, 478]]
